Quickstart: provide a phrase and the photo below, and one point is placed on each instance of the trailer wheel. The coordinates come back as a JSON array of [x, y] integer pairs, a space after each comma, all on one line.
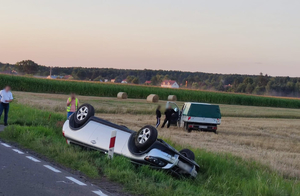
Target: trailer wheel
[[83, 113], [145, 137], [188, 154]]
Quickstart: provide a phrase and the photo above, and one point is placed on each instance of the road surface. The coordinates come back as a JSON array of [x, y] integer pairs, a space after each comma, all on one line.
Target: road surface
[[23, 174]]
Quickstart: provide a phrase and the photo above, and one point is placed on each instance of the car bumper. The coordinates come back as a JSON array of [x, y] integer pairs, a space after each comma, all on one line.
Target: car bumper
[[203, 127]]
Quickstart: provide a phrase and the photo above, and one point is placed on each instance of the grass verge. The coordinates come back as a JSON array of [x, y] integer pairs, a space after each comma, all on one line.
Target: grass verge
[[220, 174]]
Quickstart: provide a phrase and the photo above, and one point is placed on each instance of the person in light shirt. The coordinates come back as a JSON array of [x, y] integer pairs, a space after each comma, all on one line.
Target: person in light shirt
[[6, 98], [72, 105]]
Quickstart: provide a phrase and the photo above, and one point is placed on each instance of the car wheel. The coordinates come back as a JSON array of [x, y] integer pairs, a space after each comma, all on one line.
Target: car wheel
[[188, 154], [186, 127], [145, 137], [83, 113]]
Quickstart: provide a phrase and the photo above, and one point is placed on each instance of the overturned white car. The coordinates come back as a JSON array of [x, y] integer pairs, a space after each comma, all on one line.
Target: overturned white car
[[141, 147]]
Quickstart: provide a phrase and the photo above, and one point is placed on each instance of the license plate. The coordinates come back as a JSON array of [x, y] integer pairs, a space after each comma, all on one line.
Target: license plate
[[202, 127]]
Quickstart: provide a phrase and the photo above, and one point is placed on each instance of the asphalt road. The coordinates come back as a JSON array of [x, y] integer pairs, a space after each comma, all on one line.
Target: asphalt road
[[23, 174]]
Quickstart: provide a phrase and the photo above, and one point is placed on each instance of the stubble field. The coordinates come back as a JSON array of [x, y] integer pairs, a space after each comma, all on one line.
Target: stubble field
[[268, 135]]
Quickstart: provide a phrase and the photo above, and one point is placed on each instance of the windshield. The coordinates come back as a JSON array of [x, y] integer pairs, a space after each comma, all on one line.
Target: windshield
[[207, 111]]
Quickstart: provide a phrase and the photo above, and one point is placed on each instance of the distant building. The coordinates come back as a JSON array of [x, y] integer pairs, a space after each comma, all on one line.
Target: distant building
[[54, 77], [9, 72], [227, 86], [148, 82], [169, 84], [105, 80], [124, 81], [113, 80], [67, 77]]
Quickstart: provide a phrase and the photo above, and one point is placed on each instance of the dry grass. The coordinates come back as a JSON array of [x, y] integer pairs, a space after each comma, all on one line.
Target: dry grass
[[57, 103], [272, 141]]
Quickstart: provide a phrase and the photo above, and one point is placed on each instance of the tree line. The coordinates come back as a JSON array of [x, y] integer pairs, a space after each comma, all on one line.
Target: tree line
[[261, 84]]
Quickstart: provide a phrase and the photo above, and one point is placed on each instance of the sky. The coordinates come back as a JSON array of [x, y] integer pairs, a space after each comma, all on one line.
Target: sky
[[216, 36]]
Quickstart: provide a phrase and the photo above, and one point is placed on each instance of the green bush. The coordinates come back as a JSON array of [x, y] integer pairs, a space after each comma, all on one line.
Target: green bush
[[30, 84]]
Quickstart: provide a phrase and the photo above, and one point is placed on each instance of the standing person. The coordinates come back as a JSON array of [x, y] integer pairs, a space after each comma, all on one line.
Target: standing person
[[158, 116], [169, 111], [72, 104], [6, 98]]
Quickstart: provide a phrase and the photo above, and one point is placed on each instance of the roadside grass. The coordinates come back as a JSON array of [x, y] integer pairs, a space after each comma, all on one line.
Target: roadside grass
[[220, 174]]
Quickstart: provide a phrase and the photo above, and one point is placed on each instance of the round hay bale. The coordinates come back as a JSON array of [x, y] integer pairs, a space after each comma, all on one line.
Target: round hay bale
[[122, 95], [152, 98], [172, 98]]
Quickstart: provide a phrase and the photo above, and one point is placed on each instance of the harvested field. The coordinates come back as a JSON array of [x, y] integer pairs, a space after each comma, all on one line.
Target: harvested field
[[57, 103], [259, 135], [274, 142]]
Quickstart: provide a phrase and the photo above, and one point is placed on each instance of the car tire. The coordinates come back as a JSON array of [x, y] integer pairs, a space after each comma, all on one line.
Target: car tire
[[188, 154], [145, 137], [83, 114], [186, 127]]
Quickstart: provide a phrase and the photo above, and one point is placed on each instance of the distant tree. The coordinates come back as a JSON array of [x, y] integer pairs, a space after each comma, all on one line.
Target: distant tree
[[269, 87], [135, 80], [262, 80], [157, 79], [129, 79], [118, 79], [241, 88], [195, 85], [249, 88], [220, 87], [259, 90], [154, 80], [248, 80], [99, 78], [166, 77], [27, 67]]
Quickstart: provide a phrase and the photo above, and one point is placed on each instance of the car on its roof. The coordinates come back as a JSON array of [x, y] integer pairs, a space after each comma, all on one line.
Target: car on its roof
[[142, 147]]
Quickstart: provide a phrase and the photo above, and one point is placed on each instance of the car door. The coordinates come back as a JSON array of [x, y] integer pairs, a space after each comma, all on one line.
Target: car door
[[175, 116], [180, 118]]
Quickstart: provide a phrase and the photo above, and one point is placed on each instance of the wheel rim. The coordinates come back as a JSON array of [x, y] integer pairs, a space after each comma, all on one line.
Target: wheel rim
[[82, 113], [144, 136]]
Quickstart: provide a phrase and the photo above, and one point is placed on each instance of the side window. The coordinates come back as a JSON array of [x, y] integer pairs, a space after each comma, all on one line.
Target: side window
[[174, 106]]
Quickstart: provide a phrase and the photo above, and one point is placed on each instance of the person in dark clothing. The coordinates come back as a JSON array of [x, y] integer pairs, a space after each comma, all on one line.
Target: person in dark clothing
[[158, 116], [168, 114]]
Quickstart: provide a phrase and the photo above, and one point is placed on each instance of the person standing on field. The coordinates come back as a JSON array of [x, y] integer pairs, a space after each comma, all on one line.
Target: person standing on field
[[6, 98], [72, 105], [169, 111], [158, 116]]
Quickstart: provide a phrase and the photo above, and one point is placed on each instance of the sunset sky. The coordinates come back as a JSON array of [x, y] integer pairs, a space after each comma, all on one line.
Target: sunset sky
[[232, 36]]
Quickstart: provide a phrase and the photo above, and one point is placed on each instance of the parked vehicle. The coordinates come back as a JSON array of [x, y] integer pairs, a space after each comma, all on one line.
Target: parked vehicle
[[196, 116], [142, 147]]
